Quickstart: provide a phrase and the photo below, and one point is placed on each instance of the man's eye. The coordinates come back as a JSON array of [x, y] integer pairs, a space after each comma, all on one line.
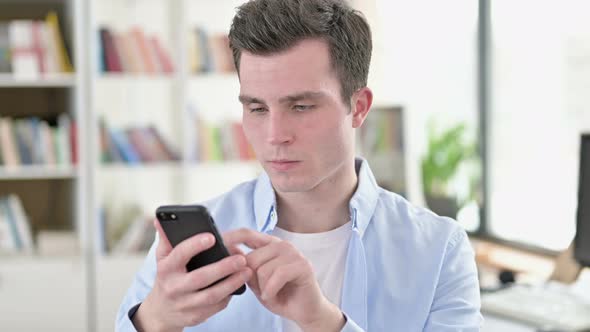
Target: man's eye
[[257, 110], [302, 107]]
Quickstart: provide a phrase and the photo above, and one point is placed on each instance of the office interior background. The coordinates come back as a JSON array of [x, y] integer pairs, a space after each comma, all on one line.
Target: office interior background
[[110, 108]]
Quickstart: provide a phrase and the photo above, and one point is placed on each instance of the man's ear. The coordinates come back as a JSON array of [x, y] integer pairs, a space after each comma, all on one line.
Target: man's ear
[[361, 104]]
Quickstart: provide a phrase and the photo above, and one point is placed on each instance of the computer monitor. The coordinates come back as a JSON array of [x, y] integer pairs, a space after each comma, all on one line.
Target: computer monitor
[[582, 239]]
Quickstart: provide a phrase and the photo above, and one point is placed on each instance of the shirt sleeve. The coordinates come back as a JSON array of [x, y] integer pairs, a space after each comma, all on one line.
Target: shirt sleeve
[[140, 287], [456, 304], [351, 326]]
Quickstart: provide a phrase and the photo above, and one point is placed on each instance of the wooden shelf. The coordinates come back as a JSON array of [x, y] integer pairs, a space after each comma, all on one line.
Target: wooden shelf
[[134, 77], [179, 164], [116, 167], [213, 76], [53, 81], [38, 172]]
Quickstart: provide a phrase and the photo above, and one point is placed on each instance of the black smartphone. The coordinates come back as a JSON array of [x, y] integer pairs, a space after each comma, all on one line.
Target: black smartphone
[[181, 222]]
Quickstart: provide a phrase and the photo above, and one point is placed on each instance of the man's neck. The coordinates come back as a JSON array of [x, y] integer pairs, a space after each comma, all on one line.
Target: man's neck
[[321, 209]]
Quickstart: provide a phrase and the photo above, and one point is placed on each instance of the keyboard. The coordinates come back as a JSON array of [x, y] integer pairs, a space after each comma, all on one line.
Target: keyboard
[[547, 306]]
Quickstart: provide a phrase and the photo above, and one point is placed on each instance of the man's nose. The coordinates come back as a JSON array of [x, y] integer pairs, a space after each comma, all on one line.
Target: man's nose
[[279, 129]]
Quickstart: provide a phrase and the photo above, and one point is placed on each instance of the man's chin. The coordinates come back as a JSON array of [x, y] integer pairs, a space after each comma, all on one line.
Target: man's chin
[[289, 186]]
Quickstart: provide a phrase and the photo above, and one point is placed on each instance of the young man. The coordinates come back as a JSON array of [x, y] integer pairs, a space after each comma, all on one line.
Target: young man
[[330, 250]]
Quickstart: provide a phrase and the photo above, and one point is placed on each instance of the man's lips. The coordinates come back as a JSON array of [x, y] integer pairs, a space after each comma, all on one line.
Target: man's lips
[[283, 164]]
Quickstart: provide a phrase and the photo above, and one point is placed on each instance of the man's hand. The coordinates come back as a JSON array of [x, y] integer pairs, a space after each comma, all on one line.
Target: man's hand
[[284, 281], [180, 298]]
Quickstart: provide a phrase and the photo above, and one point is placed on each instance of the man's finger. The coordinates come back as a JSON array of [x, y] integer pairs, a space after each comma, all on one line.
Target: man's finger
[[188, 248], [258, 257], [208, 274], [250, 238], [267, 269], [164, 248], [223, 289], [279, 278], [253, 285], [235, 250]]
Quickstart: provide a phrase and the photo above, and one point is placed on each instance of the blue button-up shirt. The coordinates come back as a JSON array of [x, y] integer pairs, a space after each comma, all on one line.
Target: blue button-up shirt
[[407, 269]]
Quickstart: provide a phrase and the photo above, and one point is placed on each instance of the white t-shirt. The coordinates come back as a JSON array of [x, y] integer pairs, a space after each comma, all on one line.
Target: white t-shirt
[[327, 254]]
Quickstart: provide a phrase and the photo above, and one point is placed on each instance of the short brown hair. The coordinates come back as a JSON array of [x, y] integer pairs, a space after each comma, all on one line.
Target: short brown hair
[[270, 26]]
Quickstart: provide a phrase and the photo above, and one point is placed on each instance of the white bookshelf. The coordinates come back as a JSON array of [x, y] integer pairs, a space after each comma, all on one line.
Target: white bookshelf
[[38, 173], [54, 197], [54, 81], [164, 100]]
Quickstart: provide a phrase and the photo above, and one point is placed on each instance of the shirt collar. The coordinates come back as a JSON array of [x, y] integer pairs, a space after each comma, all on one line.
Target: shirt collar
[[362, 204]]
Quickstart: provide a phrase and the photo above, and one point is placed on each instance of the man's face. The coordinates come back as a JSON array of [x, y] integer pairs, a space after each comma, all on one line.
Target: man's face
[[294, 116]]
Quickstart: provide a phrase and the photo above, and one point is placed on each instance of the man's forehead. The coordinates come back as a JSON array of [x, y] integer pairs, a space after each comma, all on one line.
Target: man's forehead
[[306, 53]]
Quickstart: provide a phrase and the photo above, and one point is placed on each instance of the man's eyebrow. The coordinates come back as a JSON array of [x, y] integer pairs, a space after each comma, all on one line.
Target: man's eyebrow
[[301, 96], [244, 99]]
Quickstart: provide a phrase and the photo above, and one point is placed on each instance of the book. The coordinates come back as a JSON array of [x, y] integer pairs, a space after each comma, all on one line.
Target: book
[[243, 147], [7, 236], [111, 54], [164, 59], [63, 140], [10, 154], [146, 151], [38, 46], [206, 62], [221, 53], [73, 140], [62, 56], [23, 141], [5, 61], [143, 48], [134, 145], [47, 146], [224, 141], [108, 151], [194, 56], [24, 60], [152, 134], [51, 59], [124, 147], [122, 48], [133, 239], [15, 217], [133, 53], [128, 228], [21, 220], [37, 150]]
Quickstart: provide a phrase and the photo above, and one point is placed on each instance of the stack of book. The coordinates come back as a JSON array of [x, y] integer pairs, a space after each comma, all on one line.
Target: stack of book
[[32, 49], [134, 145], [32, 141], [133, 52], [221, 142], [15, 229], [209, 53], [125, 230]]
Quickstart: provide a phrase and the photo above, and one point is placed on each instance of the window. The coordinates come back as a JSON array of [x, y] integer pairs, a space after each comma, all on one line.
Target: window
[[539, 105]]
